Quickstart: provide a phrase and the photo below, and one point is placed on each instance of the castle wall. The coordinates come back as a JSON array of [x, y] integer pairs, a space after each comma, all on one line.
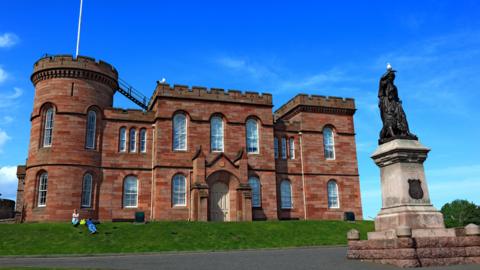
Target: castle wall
[[73, 86]]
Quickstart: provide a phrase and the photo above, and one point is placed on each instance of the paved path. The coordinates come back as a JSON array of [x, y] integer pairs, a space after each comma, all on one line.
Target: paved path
[[331, 258]]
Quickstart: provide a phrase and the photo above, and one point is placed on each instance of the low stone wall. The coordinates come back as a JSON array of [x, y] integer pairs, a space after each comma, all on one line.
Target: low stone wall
[[417, 252], [7, 209]]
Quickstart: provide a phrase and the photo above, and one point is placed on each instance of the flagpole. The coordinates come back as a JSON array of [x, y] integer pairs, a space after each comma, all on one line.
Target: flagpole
[[78, 32]]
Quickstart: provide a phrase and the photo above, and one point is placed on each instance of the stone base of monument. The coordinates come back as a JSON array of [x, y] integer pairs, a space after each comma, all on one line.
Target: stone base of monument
[[407, 251], [409, 231]]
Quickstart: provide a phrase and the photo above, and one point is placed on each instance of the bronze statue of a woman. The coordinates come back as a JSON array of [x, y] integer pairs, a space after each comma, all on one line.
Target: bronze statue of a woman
[[395, 125]]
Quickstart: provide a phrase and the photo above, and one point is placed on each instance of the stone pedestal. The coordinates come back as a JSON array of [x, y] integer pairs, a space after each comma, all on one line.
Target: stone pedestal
[[405, 196], [409, 231]]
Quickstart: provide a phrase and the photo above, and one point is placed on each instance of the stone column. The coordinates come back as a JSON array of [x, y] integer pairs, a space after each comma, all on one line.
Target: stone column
[[244, 209], [199, 202], [19, 208], [405, 197]]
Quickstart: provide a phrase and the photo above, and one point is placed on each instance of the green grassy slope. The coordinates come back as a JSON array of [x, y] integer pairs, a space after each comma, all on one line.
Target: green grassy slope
[[62, 238]]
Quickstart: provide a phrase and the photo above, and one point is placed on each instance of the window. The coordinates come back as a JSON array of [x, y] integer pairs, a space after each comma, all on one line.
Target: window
[[328, 143], [179, 190], [42, 190], [130, 192], [256, 195], [292, 148], [332, 189], [284, 148], [133, 140], [48, 127], [143, 140], [275, 146], [87, 190], [216, 134], [180, 132], [286, 194], [91, 128], [122, 144], [252, 136]]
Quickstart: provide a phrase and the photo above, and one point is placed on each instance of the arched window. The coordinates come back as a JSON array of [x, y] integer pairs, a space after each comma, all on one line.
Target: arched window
[[252, 136], [87, 190], [130, 192], [133, 140], [143, 140], [48, 127], [284, 148], [332, 189], [91, 129], [216, 134], [42, 190], [286, 194], [180, 132], [328, 143], [179, 187], [122, 143], [292, 148], [256, 191], [275, 146]]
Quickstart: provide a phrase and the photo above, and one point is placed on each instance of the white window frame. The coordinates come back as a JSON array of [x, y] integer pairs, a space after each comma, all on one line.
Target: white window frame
[[333, 195], [143, 140], [329, 145], [179, 191], [132, 193], [256, 191], [286, 195], [48, 127], [122, 140], [91, 130], [217, 136], [252, 136], [42, 190], [275, 147], [87, 188], [132, 140], [291, 143], [284, 148], [180, 136]]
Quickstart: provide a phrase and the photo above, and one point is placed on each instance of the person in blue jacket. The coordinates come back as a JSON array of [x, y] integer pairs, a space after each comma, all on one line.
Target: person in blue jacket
[[91, 227]]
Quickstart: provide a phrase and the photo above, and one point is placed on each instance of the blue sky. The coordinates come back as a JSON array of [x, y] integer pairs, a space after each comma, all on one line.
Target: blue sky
[[333, 48]]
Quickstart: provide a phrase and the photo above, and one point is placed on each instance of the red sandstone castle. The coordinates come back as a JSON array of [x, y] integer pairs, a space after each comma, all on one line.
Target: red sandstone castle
[[192, 154]]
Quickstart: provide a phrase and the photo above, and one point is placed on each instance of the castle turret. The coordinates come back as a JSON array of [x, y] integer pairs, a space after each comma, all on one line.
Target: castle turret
[[66, 136]]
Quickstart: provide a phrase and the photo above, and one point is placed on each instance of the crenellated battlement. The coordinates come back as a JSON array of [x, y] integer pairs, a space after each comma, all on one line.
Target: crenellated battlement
[[326, 104], [129, 115], [203, 93], [58, 66]]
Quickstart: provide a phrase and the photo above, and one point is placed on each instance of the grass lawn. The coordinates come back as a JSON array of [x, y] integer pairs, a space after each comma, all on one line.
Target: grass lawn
[[62, 238]]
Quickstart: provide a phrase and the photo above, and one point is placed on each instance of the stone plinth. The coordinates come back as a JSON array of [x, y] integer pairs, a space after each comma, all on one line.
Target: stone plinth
[[405, 196], [417, 252]]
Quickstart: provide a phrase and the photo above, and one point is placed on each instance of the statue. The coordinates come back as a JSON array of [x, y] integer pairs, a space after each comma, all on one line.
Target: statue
[[395, 125]]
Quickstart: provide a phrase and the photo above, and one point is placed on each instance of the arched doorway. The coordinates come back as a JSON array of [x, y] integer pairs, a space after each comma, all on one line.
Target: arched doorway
[[219, 202]]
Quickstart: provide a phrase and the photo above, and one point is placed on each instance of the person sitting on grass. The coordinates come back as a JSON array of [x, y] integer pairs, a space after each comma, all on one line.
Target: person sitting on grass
[[91, 227], [75, 217]]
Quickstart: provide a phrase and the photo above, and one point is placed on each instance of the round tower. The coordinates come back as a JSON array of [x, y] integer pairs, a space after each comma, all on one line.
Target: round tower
[[63, 167]]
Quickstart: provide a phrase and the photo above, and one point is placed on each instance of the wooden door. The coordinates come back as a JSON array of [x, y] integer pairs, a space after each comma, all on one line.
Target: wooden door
[[219, 202]]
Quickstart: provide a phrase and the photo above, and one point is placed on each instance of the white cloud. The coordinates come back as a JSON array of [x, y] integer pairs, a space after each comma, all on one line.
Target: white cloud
[[3, 75], [8, 40], [3, 139], [8, 181], [10, 99], [250, 68]]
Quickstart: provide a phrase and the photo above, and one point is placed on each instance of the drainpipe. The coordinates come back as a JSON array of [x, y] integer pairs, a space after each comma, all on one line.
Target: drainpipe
[[303, 177], [152, 188]]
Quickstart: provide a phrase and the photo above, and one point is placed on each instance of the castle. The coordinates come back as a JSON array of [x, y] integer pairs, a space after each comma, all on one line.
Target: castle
[[192, 154]]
